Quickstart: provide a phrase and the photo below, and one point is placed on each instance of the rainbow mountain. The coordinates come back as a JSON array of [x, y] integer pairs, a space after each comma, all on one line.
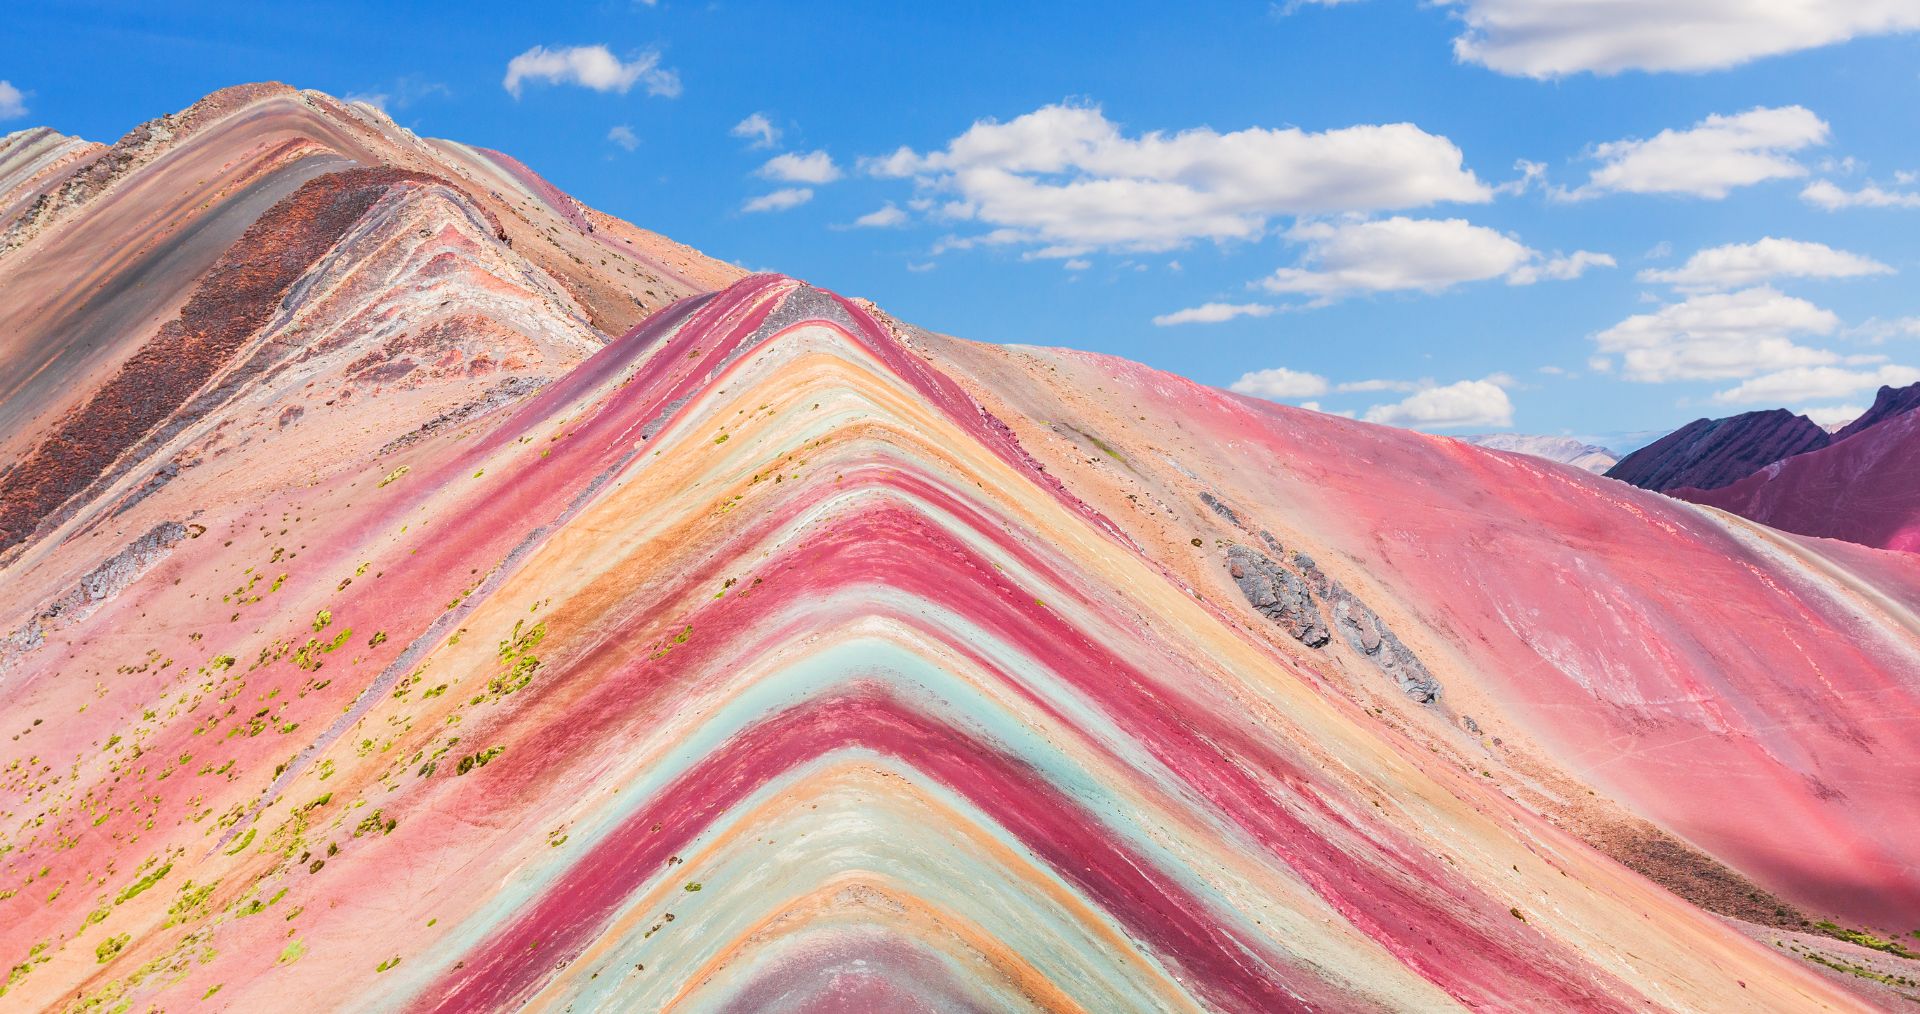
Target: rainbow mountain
[[423, 592]]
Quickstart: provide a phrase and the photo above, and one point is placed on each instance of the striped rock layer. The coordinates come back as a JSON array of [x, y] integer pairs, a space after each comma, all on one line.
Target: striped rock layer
[[447, 640]]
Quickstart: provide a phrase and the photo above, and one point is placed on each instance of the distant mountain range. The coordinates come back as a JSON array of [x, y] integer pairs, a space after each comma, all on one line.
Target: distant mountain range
[[1861, 483], [1566, 450]]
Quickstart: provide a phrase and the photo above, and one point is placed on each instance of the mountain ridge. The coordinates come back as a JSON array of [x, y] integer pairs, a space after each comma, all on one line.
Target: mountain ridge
[[1710, 453]]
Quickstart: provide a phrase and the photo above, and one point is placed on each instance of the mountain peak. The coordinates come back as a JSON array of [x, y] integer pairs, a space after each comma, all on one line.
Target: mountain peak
[[1887, 403], [1710, 453]]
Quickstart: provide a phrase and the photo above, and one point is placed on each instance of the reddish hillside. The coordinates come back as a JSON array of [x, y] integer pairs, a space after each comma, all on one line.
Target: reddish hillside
[[1864, 489]]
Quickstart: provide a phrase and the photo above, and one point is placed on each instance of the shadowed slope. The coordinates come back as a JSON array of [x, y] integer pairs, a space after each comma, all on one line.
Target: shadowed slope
[[1864, 488], [1710, 453]]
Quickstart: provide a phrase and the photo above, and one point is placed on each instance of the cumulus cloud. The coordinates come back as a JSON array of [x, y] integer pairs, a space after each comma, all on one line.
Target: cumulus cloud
[[592, 67], [1381, 385], [1280, 384], [1717, 336], [1400, 253], [1554, 38], [758, 130], [1708, 159], [1477, 403], [1741, 264], [885, 217], [1066, 178], [1826, 195], [1560, 268], [624, 136], [780, 200], [814, 167], [1213, 313], [1813, 383], [13, 102]]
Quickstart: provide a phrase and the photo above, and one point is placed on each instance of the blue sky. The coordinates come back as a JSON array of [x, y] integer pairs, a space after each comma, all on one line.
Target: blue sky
[[1465, 216]]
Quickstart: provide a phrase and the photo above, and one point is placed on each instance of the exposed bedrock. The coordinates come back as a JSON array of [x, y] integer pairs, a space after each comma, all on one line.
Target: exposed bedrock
[[1288, 597], [1278, 594]]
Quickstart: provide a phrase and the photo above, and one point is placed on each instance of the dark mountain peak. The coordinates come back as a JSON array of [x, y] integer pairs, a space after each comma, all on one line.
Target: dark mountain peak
[[1710, 453], [1890, 402]]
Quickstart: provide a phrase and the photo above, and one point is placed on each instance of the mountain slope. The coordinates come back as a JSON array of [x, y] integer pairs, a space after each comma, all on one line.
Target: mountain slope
[[1710, 453], [443, 649], [1864, 488]]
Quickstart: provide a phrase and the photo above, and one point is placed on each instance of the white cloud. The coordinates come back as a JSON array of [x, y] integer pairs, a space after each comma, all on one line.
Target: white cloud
[[757, 129], [401, 93], [1561, 269], [592, 67], [624, 136], [1832, 417], [814, 167], [1478, 403], [1080, 264], [1739, 264], [1399, 253], [1811, 383], [13, 102], [1708, 159], [1553, 38], [1824, 194], [1717, 336], [886, 217], [1280, 384], [1213, 313], [1066, 178], [780, 200], [1382, 385], [1876, 330]]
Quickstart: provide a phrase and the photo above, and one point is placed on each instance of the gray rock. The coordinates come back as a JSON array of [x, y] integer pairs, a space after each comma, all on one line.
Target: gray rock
[[1220, 508], [1278, 594], [1366, 633]]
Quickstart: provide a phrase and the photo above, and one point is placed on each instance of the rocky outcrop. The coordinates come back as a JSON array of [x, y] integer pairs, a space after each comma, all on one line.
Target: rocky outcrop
[[1365, 632], [1287, 596], [1710, 453], [1278, 594], [98, 585]]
